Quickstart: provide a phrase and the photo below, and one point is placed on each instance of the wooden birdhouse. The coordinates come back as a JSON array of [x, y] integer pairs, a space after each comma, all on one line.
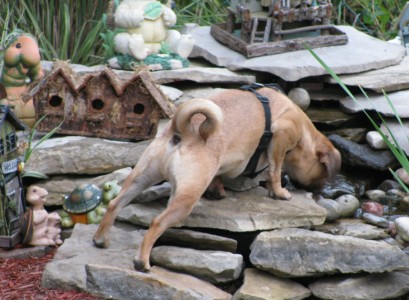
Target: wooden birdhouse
[[100, 104], [12, 204], [264, 27]]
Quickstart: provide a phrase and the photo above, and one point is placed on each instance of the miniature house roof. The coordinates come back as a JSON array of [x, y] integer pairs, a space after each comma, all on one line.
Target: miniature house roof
[[6, 114], [119, 83]]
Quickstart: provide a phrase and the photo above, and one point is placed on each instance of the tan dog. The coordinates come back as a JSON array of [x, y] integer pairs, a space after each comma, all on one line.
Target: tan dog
[[206, 139]]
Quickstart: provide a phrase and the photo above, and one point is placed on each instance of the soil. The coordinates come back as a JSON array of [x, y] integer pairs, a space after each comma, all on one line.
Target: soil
[[20, 278]]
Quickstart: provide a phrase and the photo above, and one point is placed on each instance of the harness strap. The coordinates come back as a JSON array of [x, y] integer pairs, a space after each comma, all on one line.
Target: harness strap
[[251, 167]]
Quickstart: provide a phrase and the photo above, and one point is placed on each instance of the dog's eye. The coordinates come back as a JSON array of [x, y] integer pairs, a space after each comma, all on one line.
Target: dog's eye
[[176, 139]]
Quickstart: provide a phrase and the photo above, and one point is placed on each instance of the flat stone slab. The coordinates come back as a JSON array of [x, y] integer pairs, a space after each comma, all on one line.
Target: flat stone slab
[[262, 285], [294, 252], [201, 75], [209, 265], [246, 211], [159, 284], [78, 265], [389, 79], [67, 269], [379, 103], [201, 240], [98, 156], [353, 227], [362, 287], [361, 53]]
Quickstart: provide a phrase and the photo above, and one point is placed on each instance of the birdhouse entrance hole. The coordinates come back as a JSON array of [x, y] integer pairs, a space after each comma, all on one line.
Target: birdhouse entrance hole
[[97, 104], [139, 109], [55, 101]]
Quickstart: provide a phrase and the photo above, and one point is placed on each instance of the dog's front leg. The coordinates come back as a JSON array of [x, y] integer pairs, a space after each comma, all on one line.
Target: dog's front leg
[[276, 155], [135, 183]]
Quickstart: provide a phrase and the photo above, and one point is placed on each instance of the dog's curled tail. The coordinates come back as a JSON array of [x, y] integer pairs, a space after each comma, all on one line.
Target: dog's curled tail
[[212, 112]]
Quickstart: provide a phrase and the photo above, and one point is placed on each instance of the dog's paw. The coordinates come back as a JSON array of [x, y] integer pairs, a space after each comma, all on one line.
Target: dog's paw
[[100, 242], [139, 265], [281, 194]]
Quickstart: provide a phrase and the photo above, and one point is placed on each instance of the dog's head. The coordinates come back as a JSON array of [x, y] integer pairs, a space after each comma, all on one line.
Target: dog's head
[[316, 169]]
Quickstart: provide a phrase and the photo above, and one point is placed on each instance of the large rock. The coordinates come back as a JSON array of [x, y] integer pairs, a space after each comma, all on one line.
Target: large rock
[[362, 287], [355, 228], [239, 212], [213, 266], [260, 285], [363, 156], [392, 78], [197, 240], [78, 265], [293, 252], [159, 284], [67, 269], [202, 75], [361, 53], [400, 133], [98, 156], [379, 103]]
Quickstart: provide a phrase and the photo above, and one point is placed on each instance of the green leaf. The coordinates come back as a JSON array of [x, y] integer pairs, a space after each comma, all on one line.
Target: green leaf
[[35, 174], [153, 10]]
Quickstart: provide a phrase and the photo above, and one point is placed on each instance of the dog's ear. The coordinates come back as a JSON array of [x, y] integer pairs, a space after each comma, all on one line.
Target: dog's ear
[[331, 158]]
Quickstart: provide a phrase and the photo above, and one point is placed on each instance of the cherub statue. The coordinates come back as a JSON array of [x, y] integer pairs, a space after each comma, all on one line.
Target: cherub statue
[[146, 24], [46, 226]]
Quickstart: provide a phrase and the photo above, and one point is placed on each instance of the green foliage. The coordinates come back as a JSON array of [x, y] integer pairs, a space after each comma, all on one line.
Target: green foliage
[[388, 137], [378, 18], [202, 12], [67, 30]]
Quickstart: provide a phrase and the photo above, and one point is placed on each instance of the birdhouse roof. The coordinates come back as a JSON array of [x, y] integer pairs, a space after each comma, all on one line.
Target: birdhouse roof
[[6, 114], [118, 82]]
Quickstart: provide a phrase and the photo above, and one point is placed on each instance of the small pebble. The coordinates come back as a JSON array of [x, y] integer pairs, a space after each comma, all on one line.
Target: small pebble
[[375, 220], [403, 175], [395, 194], [348, 204], [375, 195], [332, 208], [374, 208], [358, 213], [375, 140], [389, 184], [402, 226], [301, 97], [391, 230]]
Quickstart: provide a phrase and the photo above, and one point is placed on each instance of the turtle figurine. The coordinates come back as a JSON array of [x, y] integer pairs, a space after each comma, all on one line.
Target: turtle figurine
[[87, 204], [110, 189], [80, 205]]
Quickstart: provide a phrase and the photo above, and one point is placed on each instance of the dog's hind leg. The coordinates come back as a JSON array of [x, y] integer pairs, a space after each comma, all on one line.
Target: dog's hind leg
[[136, 183], [179, 207]]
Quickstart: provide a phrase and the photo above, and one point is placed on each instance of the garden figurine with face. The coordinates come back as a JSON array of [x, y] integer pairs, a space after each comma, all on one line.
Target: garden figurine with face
[[21, 66], [46, 231], [146, 24]]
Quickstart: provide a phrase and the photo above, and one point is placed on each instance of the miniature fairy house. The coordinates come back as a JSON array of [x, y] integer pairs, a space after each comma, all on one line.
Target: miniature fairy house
[[265, 27], [100, 104], [11, 200]]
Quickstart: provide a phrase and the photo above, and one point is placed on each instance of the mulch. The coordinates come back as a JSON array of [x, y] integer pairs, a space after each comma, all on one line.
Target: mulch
[[20, 278]]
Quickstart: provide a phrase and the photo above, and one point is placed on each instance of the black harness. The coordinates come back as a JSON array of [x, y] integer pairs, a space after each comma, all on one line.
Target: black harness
[[251, 167]]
